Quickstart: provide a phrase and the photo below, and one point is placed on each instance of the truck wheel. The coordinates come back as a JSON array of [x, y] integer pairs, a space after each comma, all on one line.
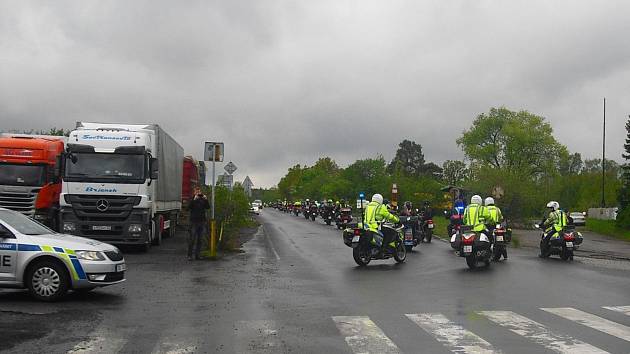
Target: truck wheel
[[47, 280], [157, 233]]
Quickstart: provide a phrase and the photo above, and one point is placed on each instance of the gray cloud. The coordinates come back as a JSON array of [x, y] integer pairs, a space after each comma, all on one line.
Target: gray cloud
[[284, 82]]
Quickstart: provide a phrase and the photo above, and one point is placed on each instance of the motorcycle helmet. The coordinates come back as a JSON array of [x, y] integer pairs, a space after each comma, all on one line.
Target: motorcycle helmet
[[377, 198], [408, 205], [553, 205], [489, 201], [476, 199]]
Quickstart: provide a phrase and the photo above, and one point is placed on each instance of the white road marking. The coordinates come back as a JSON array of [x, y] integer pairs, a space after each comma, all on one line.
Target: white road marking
[[453, 336], [257, 336], [539, 334], [363, 336], [102, 340], [273, 249], [601, 324], [622, 309]]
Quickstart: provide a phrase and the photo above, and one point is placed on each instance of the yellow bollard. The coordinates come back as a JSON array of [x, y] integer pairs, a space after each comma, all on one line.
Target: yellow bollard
[[213, 238]]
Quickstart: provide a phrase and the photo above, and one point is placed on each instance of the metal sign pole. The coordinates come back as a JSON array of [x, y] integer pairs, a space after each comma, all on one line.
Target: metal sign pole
[[213, 225]]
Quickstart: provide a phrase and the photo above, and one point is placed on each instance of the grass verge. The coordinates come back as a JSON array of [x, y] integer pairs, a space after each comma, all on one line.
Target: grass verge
[[607, 227]]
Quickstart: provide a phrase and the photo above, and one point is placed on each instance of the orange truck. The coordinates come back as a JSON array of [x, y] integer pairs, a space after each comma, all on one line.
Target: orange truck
[[29, 180]]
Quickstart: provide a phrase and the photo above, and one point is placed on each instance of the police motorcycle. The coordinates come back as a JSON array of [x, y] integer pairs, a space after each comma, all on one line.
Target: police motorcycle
[[327, 214], [502, 235], [296, 210], [563, 243], [365, 250], [474, 246], [411, 238]]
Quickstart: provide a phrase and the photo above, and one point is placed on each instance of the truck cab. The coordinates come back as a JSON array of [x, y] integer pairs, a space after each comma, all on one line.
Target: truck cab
[[111, 191], [28, 179]]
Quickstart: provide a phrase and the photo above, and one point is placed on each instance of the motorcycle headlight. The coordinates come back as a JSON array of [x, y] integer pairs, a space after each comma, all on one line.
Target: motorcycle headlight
[[90, 255], [69, 227]]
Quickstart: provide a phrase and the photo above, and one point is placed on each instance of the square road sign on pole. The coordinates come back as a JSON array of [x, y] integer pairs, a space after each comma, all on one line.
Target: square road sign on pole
[[213, 151]]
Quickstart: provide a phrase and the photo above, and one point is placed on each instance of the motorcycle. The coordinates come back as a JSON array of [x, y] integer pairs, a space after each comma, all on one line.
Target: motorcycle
[[306, 211], [411, 239], [296, 211], [564, 244], [474, 246], [502, 236], [426, 229], [313, 212], [344, 218], [363, 250], [327, 215]]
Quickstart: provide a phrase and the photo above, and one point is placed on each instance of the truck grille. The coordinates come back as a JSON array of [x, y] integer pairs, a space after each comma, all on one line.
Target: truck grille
[[102, 207], [21, 200]]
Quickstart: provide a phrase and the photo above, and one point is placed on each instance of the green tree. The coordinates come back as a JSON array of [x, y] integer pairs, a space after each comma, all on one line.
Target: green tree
[[409, 159], [454, 172], [623, 217], [516, 142]]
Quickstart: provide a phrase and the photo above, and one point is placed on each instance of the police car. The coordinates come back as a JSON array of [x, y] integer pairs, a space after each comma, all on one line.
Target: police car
[[49, 264]]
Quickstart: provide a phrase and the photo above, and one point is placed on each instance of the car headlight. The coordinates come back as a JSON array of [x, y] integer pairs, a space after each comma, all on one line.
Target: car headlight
[[90, 255], [69, 226], [134, 228]]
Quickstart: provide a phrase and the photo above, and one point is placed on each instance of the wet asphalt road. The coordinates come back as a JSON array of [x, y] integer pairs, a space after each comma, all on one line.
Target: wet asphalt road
[[296, 289]]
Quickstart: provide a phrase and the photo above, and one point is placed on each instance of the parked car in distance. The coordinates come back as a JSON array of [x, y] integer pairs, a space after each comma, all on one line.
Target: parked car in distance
[[579, 219], [254, 209]]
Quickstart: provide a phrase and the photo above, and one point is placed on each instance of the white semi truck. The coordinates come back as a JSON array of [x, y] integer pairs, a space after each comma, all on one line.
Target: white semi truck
[[121, 183]]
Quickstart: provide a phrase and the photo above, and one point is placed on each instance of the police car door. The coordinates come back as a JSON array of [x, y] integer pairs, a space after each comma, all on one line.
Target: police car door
[[8, 254]]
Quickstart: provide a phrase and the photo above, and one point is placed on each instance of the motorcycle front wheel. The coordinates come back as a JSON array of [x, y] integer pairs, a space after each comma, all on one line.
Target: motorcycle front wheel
[[401, 253], [408, 248], [361, 256]]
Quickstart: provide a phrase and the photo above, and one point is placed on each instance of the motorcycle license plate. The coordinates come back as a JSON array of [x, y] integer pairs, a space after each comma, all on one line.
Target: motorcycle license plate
[[467, 249], [430, 226], [355, 239], [408, 242], [500, 238], [408, 236], [569, 244]]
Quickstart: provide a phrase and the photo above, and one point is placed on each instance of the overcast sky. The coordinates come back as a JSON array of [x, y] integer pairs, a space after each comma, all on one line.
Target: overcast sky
[[284, 82]]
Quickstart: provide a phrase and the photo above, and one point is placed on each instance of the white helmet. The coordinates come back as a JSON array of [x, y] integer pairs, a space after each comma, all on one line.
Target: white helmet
[[553, 205], [489, 201], [377, 198], [476, 199]]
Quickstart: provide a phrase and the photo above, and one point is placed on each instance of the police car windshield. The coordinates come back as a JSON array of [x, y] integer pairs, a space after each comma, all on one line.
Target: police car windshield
[[23, 224], [105, 167]]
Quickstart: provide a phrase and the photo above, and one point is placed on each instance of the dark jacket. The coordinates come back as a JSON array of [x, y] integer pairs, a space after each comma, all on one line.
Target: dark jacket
[[198, 209]]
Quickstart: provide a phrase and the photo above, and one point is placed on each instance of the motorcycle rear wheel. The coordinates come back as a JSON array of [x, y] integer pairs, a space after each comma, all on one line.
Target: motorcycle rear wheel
[[429, 236], [328, 222], [496, 253], [566, 255], [471, 261], [408, 248], [361, 256]]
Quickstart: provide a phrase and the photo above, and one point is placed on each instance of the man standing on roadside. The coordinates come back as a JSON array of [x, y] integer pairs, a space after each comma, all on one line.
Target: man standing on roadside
[[198, 223]]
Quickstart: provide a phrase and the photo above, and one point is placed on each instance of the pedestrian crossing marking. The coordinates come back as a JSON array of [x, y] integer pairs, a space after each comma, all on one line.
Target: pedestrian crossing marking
[[451, 335], [601, 324], [622, 309], [364, 336], [539, 334]]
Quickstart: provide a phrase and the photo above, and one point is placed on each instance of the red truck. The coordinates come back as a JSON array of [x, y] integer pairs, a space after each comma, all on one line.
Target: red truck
[[28, 178]]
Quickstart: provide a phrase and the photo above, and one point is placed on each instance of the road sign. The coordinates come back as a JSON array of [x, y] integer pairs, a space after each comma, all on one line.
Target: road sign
[[225, 180], [230, 167], [361, 195], [213, 151], [247, 185]]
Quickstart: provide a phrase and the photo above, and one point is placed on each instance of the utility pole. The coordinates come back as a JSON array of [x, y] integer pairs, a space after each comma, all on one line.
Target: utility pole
[[604, 158]]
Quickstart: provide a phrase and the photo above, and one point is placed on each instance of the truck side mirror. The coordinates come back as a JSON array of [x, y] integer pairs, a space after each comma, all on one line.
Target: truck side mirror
[[153, 167], [59, 167]]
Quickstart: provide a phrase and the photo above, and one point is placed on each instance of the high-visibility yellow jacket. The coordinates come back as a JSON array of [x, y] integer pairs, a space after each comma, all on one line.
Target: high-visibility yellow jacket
[[494, 214], [475, 215], [376, 213]]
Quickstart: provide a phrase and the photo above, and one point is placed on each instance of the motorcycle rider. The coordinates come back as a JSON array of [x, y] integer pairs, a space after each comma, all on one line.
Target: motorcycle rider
[[475, 214], [555, 221], [408, 210], [494, 217], [375, 213]]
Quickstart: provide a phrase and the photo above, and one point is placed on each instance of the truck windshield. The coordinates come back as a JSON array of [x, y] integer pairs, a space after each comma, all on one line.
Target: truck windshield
[[23, 224], [22, 175], [105, 167]]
